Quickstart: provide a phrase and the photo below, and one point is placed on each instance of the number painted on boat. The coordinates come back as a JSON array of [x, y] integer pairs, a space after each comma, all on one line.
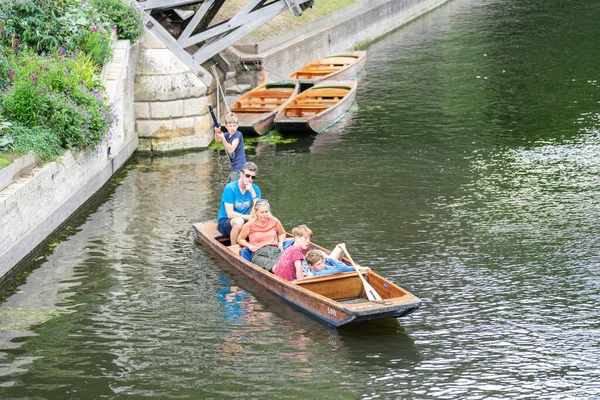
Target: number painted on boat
[[331, 312]]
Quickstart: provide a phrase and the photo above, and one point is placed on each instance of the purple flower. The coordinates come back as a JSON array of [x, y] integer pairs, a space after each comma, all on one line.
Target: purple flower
[[95, 29], [114, 28]]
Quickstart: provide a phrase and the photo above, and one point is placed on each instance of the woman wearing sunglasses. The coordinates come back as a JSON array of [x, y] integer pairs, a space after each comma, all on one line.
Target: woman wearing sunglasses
[[263, 235]]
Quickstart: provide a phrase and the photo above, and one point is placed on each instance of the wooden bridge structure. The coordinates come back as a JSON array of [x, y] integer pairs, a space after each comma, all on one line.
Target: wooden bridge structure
[[196, 31]]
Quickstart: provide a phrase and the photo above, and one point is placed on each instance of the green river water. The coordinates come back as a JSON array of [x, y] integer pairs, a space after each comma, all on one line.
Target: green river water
[[467, 172]]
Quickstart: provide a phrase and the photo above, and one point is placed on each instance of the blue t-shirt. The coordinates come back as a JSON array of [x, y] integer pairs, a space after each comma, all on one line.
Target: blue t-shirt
[[238, 157], [233, 195], [332, 266]]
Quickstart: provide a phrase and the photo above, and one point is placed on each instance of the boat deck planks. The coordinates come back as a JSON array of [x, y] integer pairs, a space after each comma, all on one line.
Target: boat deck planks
[[317, 107], [338, 66], [257, 108]]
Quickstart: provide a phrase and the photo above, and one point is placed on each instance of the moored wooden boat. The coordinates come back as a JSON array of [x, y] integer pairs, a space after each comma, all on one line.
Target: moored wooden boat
[[317, 108], [334, 67], [257, 108], [334, 299]]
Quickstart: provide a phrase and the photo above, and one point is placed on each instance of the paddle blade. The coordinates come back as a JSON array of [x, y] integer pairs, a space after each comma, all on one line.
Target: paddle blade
[[371, 293]]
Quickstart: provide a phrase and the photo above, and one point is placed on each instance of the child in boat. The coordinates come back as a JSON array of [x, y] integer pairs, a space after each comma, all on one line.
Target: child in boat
[[233, 142], [289, 266], [321, 264]]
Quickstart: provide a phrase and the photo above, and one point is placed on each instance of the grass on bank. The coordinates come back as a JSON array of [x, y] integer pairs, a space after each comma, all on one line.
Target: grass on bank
[[4, 161], [287, 21]]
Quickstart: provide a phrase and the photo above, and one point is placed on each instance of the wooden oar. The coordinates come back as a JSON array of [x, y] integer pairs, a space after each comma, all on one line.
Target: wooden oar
[[214, 118], [369, 290]]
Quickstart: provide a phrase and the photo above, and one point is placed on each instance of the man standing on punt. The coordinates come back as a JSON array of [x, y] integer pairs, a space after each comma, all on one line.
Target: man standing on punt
[[236, 202]]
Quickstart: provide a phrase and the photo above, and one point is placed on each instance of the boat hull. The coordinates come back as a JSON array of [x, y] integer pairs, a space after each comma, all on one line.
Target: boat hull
[[305, 121], [256, 124], [314, 295], [256, 109], [344, 66]]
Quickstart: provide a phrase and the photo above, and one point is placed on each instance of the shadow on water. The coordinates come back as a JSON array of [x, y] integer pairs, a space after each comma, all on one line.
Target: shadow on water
[[379, 342]]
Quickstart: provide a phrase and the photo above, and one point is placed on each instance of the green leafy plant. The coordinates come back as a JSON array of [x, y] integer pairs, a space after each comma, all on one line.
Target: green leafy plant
[[52, 93], [89, 72], [44, 142], [97, 44], [5, 139], [86, 31], [30, 24], [124, 16], [46, 26], [4, 70]]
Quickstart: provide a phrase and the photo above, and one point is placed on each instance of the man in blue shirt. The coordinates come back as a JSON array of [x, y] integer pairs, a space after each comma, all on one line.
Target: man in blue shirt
[[237, 201]]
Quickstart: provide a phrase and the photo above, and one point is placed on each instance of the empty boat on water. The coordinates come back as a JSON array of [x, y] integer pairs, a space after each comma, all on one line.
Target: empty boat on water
[[316, 108], [339, 66], [257, 108]]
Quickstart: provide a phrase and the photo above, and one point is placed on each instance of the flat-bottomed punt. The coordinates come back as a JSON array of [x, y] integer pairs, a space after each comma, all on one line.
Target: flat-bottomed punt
[[334, 299], [317, 108], [256, 109], [334, 67]]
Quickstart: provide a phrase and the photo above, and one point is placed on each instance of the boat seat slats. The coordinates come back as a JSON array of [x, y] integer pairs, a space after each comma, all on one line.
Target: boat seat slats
[[308, 75], [272, 94], [306, 107], [327, 93], [251, 109], [318, 68], [235, 249]]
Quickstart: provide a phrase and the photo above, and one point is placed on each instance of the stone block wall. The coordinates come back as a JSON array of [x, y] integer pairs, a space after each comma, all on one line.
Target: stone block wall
[[170, 101]]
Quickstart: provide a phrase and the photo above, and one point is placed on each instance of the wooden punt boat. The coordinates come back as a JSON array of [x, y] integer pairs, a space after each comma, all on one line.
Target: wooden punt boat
[[256, 109], [335, 67], [317, 108], [334, 299]]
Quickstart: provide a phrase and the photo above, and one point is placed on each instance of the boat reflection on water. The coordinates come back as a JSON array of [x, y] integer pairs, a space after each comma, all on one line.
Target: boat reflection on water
[[381, 342], [300, 143], [323, 141], [261, 317]]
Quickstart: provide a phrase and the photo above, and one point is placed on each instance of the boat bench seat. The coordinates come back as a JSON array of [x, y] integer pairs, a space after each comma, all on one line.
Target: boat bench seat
[[306, 107], [272, 94], [251, 109], [318, 69], [257, 103], [234, 248], [326, 92], [241, 251]]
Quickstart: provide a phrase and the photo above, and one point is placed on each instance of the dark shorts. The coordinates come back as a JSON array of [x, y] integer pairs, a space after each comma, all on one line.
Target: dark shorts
[[224, 226]]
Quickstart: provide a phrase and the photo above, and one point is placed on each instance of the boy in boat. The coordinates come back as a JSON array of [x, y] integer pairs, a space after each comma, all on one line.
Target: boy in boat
[[289, 266], [233, 142], [320, 264], [237, 198]]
